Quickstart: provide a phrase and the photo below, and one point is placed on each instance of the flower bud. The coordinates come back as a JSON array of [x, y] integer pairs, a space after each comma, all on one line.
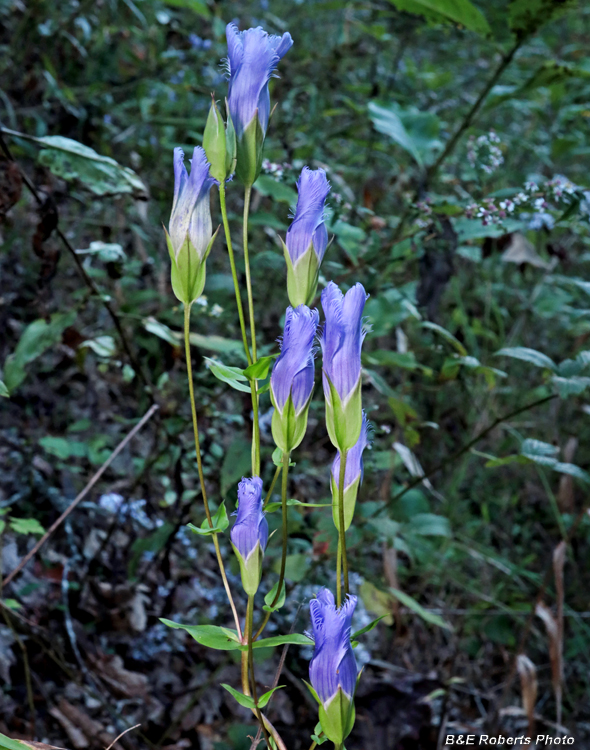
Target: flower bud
[[214, 143], [252, 57], [353, 477], [249, 536], [307, 237], [291, 380], [189, 237], [341, 341], [333, 670]]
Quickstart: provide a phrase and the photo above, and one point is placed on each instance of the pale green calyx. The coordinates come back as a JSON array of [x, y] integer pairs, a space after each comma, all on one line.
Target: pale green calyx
[[250, 568], [302, 278], [343, 419], [187, 273]]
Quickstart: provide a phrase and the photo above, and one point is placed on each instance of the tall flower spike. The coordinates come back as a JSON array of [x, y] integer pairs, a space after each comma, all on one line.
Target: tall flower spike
[[190, 237], [291, 381], [307, 237], [333, 670], [341, 341], [249, 536], [252, 57], [353, 476]]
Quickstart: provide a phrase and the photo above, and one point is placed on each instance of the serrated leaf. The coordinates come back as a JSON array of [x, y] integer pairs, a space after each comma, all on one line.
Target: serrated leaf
[[412, 604], [528, 355], [233, 376], [525, 17]]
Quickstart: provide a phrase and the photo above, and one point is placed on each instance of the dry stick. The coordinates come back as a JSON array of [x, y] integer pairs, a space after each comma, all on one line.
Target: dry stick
[[122, 733], [153, 409], [465, 448], [81, 270]]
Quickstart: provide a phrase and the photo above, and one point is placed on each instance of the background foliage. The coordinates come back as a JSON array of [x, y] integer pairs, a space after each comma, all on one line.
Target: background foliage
[[475, 316]]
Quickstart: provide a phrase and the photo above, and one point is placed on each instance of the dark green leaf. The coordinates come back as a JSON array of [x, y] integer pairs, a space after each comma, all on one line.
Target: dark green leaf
[[459, 11]]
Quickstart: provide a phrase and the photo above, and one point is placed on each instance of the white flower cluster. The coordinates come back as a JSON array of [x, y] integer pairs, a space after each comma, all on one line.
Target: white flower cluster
[[275, 170], [533, 197], [484, 152]]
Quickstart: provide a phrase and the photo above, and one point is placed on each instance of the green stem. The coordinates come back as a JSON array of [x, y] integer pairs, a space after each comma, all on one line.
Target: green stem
[[253, 384], [272, 485], [191, 389], [234, 273], [249, 622], [342, 529]]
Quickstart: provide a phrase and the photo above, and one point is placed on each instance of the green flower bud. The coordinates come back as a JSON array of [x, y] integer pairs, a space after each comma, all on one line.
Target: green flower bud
[[214, 143], [337, 717]]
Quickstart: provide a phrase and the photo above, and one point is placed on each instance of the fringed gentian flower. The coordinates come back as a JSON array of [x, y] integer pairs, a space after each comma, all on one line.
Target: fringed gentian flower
[[307, 237], [190, 234], [252, 57], [341, 342], [249, 536], [291, 381], [332, 670], [353, 476]]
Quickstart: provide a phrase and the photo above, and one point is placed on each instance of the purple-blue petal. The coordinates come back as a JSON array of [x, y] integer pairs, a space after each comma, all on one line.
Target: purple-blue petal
[[251, 527], [333, 664], [252, 58], [354, 458], [191, 212], [342, 337], [308, 224], [293, 370]]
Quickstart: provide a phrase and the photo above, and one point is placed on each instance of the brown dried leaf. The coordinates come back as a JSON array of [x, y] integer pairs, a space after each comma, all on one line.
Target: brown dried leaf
[[76, 736], [552, 628], [528, 684], [565, 494]]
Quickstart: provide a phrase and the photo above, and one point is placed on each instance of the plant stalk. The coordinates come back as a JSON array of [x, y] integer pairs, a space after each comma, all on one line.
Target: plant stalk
[[189, 369], [342, 530]]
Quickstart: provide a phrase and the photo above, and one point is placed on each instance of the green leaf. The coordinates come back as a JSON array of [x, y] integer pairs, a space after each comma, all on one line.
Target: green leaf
[[11, 604], [104, 346], [412, 604], [108, 252], [277, 458], [387, 121], [34, 341], [296, 639], [236, 463], [570, 386], [428, 524], [4, 392], [278, 191], [6, 743], [572, 470], [525, 17], [197, 6], [243, 700], [507, 460], [75, 162], [216, 344], [26, 526], [259, 369], [528, 355], [447, 335], [265, 697], [211, 636], [233, 376], [367, 628], [63, 448], [461, 12], [220, 523]]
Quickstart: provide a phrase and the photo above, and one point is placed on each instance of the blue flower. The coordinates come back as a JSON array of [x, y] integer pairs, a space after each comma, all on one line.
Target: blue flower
[[293, 371], [307, 237], [252, 57], [333, 665], [251, 527], [291, 381], [342, 337], [191, 212], [309, 227]]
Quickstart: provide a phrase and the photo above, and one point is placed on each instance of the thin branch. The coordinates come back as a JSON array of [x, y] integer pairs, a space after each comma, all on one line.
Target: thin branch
[[153, 409], [122, 733]]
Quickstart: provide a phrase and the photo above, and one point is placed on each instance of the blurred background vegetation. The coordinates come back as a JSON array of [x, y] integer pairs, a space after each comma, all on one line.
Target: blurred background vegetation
[[456, 141]]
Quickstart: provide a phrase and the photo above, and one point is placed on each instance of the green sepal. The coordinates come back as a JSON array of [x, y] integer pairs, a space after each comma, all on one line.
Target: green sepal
[[214, 143], [337, 719], [288, 427], [302, 278], [249, 152], [277, 458], [187, 273], [344, 420], [250, 569], [220, 523], [230, 143], [311, 689], [350, 495]]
